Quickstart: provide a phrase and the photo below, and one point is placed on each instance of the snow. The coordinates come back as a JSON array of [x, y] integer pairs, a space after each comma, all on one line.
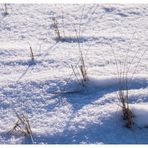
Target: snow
[[59, 109], [140, 112]]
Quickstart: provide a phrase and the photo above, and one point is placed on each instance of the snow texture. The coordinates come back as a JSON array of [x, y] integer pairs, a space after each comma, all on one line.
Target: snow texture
[[60, 110]]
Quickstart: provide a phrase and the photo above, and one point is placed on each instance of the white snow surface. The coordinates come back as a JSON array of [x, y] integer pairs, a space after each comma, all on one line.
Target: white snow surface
[[59, 109]]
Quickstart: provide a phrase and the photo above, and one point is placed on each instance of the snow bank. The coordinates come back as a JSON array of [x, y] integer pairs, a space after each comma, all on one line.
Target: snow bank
[[140, 112], [112, 81]]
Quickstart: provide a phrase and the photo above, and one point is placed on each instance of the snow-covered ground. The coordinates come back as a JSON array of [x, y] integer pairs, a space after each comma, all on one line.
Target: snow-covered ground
[[59, 109]]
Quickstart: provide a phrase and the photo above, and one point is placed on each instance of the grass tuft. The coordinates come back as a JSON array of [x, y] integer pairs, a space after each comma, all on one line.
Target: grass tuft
[[80, 71], [5, 10], [22, 126], [56, 28]]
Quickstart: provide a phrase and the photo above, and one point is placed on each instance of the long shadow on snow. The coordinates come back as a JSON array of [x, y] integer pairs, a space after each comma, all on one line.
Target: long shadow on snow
[[91, 134], [87, 95], [83, 39], [96, 133]]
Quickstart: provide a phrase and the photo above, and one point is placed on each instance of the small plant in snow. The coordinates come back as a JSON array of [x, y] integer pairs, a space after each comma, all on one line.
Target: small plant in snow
[[22, 126], [31, 53], [124, 75], [80, 71], [56, 28], [5, 9], [123, 98], [122, 94]]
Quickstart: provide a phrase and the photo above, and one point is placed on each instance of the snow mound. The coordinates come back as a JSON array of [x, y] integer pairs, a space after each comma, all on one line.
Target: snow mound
[[140, 112], [112, 81]]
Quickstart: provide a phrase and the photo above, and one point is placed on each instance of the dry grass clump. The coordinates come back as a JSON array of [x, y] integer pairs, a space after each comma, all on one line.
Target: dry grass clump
[[125, 73], [22, 126], [80, 71], [56, 28], [123, 98], [5, 9]]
